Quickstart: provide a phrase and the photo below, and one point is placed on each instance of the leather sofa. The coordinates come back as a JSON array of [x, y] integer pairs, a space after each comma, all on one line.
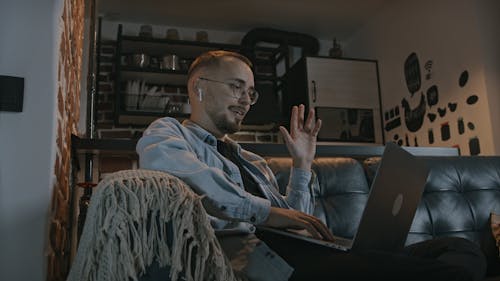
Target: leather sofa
[[459, 195]]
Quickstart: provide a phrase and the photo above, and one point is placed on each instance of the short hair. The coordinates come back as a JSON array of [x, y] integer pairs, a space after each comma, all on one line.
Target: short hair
[[212, 58]]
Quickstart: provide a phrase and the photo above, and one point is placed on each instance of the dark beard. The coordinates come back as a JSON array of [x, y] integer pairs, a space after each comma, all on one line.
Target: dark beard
[[226, 127]]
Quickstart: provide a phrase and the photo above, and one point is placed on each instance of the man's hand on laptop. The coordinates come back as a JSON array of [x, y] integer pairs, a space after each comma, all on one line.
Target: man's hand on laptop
[[293, 219]]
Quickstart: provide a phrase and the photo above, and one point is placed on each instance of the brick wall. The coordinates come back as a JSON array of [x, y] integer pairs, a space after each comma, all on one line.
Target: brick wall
[[67, 112]]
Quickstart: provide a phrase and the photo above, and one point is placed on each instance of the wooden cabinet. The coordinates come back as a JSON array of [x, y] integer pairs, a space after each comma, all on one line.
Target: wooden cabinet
[[345, 94]]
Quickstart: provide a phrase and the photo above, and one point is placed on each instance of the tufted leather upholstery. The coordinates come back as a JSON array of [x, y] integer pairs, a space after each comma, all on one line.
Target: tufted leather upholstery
[[459, 195], [342, 195]]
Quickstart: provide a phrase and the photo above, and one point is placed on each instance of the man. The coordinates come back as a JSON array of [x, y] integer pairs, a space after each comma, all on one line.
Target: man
[[240, 191]]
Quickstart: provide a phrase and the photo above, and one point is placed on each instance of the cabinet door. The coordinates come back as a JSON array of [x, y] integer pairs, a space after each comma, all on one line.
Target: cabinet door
[[342, 83], [346, 96]]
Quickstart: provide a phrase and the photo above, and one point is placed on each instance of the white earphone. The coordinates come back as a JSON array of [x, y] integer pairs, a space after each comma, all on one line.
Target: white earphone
[[200, 94]]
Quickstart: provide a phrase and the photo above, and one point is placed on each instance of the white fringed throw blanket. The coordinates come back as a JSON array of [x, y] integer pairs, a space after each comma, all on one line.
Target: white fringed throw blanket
[[121, 237]]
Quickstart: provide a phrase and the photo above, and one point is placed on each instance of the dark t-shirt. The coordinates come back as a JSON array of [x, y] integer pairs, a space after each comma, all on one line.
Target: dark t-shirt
[[231, 154]]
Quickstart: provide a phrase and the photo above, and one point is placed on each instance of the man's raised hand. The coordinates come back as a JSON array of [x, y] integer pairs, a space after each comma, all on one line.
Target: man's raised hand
[[301, 141]]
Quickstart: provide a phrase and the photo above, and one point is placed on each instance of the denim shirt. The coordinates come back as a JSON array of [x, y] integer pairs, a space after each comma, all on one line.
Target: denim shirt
[[190, 153]]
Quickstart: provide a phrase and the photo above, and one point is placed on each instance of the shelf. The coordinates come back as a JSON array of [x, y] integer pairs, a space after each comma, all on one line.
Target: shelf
[[181, 48], [98, 145], [264, 77], [154, 76], [152, 69]]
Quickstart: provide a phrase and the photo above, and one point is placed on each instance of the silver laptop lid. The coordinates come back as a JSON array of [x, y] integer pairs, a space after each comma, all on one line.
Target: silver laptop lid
[[393, 200]]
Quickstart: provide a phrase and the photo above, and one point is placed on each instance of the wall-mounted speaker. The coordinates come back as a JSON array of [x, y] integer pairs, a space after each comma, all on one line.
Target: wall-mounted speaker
[[11, 93]]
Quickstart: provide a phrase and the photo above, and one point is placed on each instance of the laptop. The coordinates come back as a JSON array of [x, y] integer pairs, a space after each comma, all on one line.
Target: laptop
[[391, 206]]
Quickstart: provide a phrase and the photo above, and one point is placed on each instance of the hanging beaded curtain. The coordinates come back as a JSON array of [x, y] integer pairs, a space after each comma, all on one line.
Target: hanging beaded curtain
[[71, 25]]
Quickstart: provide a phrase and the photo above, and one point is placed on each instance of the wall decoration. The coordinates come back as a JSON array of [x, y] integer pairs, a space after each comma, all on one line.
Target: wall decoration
[[474, 147], [472, 99], [445, 131], [393, 124], [452, 106], [432, 96], [464, 77], [438, 102], [431, 136], [412, 73], [393, 114], [431, 116], [460, 126], [428, 67], [414, 118], [442, 111]]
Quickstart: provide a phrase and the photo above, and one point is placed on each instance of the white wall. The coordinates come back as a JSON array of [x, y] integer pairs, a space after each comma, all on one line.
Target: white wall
[[448, 32], [28, 48]]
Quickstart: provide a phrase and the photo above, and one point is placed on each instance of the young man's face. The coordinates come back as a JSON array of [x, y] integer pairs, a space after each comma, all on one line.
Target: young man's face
[[224, 108]]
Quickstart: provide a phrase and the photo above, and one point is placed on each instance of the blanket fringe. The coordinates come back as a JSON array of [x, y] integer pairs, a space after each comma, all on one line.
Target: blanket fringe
[[127, 229]]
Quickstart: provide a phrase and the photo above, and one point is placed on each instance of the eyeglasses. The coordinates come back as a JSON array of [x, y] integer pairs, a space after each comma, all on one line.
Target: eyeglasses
[[238, 90]]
